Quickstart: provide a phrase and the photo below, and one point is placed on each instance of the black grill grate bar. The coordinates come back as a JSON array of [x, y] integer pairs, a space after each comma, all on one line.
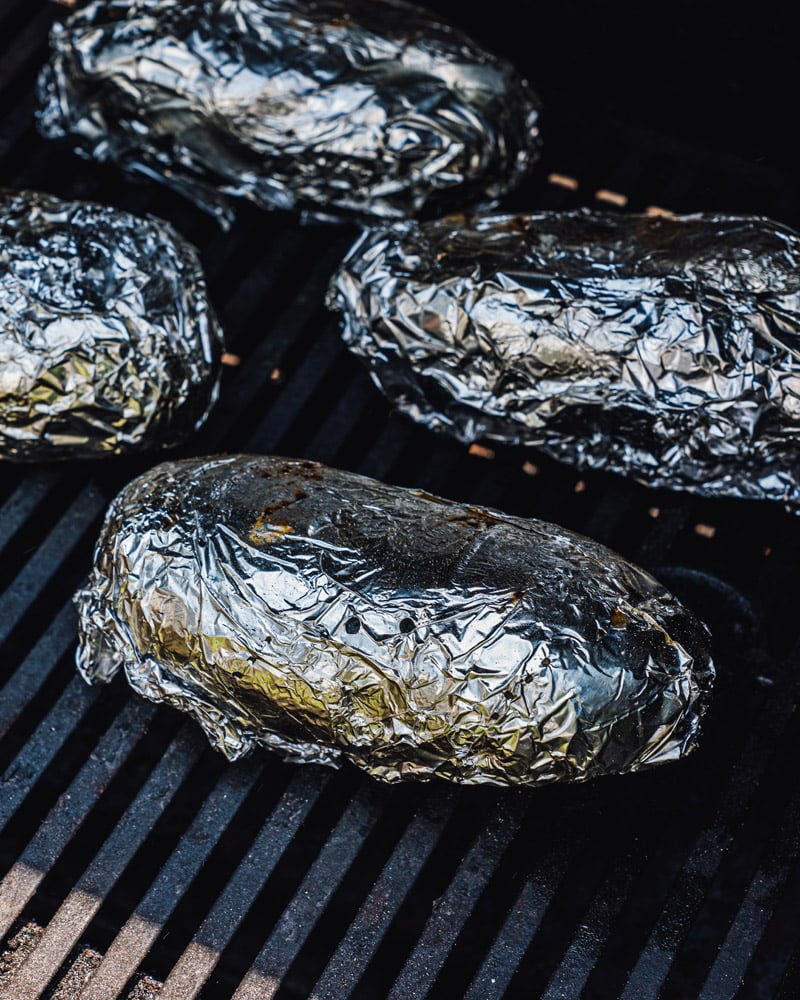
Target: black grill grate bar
[[32, 675], [676, 912], [644, 901], [82, 902], [522, 923], [454, 905], [385, 452], [18, 136], [36, 758], [758, 906], [13, 17], [331, 864], [23, 501], [49, 557], [738, 866], [588, 938], [346, 417], [136, 936], [413, 909], [65, 816], [253, 285], [365, 931], [524, 879], [197, 962], [250, 390], [35, 529], [296, 397], [280, 888], [779, 942]]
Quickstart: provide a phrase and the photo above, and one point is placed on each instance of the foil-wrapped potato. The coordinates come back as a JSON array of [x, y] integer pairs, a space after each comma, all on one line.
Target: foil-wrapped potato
[[108, 343], [327, 616], [335, 107], [665, 349]]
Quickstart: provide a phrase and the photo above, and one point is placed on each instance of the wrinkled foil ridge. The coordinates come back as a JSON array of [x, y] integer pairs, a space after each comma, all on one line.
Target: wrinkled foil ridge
[[328, 617], [366, 107], [662, 349], [108, 343]]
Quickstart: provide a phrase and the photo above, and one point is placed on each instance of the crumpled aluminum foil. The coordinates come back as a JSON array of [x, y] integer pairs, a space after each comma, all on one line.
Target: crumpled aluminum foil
[[662, 349], [338, 107], [327, 616], [107, 341]]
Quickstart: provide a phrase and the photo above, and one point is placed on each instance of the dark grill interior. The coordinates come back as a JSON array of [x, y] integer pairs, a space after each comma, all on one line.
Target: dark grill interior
[[134, 856]]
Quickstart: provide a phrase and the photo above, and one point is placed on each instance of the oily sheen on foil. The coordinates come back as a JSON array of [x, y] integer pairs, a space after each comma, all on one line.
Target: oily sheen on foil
[[365, 107], [107, 340], [662, 349], [328, 616]]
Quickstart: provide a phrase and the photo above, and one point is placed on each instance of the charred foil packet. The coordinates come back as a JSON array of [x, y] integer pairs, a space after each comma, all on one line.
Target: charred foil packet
[[665, 349], [328, 616], [365, 107], [108, 343]]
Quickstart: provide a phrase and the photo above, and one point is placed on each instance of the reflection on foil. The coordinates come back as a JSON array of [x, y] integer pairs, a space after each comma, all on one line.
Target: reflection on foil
[[663, 349], [327, 616], [365, 107], [107, 340]]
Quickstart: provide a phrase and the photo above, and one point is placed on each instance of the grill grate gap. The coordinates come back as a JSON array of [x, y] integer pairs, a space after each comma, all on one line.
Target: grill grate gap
[[314, 955], [774, 970], [151, 856], [529, 857], [280, 887], [739, 865], [44, 793], [32, 711], [23, 631], [101, 818], [38, 524], [398, 941], [233, 843]]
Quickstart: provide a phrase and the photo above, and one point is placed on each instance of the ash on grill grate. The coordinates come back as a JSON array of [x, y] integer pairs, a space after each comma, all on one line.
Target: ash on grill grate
[[130, 851]]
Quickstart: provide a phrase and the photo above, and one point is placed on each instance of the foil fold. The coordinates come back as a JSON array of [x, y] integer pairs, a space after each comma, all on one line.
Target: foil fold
[[330, 617], [108, 343], [664, 349], [369, 108]]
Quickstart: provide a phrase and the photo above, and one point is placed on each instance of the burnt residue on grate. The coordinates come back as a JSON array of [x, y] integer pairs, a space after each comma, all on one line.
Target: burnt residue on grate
[[133, 856]]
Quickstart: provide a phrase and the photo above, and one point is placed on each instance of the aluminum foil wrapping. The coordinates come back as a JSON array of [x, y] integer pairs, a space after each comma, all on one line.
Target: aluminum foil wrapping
[[327, 616], [337, 107], [107, 341], [662, 349]]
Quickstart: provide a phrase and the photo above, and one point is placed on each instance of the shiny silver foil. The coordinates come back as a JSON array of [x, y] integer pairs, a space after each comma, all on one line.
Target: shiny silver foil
[[327, 616], [335, 107], [107, 341], [662, 349]]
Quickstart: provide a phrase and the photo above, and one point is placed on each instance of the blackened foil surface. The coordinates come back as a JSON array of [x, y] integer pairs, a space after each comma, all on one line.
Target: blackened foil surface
[[366, 106], [107, 340], [663, 349], [327, 616]]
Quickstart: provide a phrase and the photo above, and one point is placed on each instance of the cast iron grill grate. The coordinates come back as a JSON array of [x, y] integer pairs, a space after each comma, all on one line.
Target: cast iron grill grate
[[134, 856]]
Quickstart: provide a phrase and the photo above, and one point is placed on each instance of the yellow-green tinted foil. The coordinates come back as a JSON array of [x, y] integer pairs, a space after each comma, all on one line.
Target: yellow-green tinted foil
[[328, 616], [108, 343]]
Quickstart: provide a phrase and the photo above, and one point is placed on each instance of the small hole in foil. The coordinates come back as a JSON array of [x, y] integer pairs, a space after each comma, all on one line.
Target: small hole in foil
[[407, 625], [352, 625]]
